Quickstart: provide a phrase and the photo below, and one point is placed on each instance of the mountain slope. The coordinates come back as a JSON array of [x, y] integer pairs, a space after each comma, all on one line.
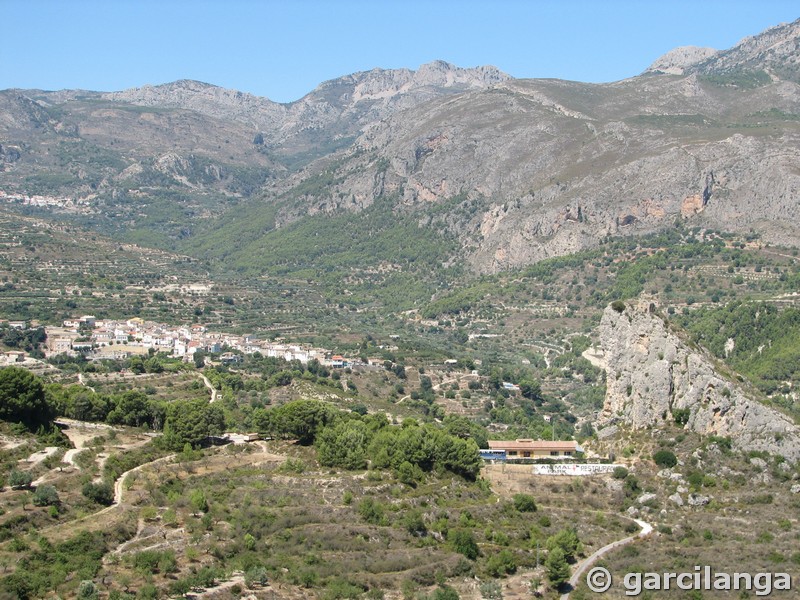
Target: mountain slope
[[325, 117], [513, 171], [775, 51], [558, 165], [153, 163]]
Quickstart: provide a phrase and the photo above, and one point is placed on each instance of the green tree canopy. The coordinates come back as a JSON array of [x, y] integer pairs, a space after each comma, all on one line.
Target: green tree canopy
[[343, 445], [19, 479], [102, 493], [464, 428], [463, 542], [425, 446], [300, 419], [135, 408], [45, 495], [567, 541], [22, 398], [191, 422], [665, 459], [524, 503], [558, 570]]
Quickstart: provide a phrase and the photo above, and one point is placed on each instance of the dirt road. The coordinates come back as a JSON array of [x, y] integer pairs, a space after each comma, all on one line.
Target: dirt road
[[584, 565]]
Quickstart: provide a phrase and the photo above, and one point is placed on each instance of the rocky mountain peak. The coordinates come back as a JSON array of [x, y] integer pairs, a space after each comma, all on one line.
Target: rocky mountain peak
[[675, 62], [387, 84], [445, 74]]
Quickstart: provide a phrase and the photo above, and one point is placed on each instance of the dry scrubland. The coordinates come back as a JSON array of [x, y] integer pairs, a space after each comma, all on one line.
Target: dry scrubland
[[214, 519]]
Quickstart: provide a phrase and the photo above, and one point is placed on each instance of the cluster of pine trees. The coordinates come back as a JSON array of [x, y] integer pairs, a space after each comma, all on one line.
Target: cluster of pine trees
[[349, 440]]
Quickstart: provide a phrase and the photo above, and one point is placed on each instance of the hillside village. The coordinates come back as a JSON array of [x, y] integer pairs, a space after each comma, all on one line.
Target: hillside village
[[100, 339], [67, 204]]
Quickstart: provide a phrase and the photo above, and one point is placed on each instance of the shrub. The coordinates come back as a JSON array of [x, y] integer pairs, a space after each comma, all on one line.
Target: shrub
[[372, 512], [45, 495], [544, 521], [147, 592], [146, 561], [293, 465], [464, 543], [501, 564], [567, 540], [524, 503], [87, 590], [695, 479], [681, 415], [665, 459], [619, 473], [101, 493], [255, 576], [415, 524], [409, 474], [618, 305], [198, 501], [339, 589], [445, 592], [631, 485], [308, 578], [249, 541], [19, 479], [491, 590]]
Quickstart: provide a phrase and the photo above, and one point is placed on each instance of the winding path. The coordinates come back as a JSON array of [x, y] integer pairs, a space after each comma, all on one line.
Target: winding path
[[207, 382], [647, 529], [82, 381]]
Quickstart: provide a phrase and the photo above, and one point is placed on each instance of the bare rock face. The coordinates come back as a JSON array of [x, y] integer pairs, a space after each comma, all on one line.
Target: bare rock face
[[9, 154], [773, 50], [676, 61], [651, 372], [692, 205]]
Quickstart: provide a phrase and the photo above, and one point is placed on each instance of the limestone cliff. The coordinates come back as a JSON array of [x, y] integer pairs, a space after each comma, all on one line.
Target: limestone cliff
[[651, 372]]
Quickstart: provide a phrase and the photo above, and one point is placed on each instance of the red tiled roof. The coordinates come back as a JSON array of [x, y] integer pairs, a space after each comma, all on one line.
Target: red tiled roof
[[532, 445]]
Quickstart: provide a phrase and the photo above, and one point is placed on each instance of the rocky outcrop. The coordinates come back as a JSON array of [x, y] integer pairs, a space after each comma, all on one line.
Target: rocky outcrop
[[652, 374], [692, 205], [9, 154], [675, 62]]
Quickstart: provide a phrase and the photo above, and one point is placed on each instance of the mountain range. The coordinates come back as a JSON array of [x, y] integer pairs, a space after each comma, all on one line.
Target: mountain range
[[506, 171]]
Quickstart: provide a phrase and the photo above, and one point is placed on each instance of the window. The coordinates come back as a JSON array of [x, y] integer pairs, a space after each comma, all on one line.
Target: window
[[553, 452], [512, 452], [526, 454], [567, 453]]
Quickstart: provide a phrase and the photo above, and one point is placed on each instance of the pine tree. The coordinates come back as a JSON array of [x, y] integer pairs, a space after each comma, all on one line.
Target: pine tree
[[558, 569]]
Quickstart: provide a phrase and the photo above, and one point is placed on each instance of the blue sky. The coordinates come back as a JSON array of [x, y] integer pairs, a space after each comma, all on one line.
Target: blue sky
[[282, 50]]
